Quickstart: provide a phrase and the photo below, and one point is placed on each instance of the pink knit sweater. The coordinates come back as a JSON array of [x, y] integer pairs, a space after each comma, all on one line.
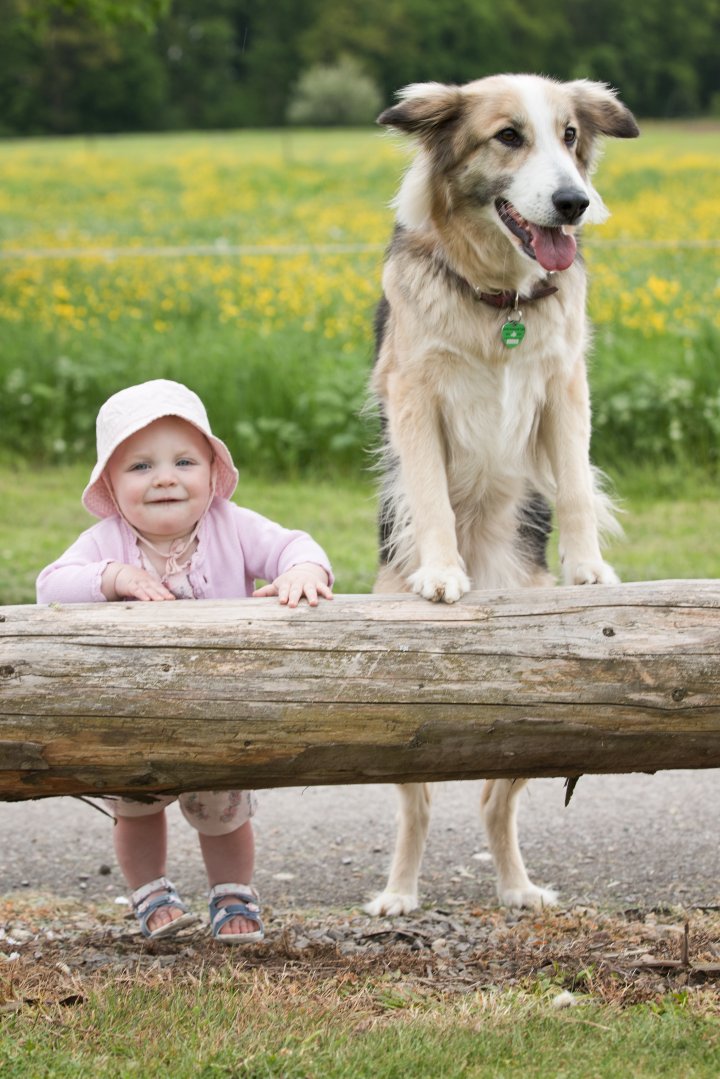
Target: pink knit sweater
[[235, 548]]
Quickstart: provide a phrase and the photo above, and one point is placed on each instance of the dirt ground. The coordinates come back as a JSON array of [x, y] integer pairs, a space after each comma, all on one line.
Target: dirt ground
[[634, 858]]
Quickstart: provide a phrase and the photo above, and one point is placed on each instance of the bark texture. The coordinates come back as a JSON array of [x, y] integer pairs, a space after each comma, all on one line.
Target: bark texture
[[141, 697]]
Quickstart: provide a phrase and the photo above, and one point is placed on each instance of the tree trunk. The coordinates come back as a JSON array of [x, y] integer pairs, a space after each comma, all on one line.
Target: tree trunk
[[140, 697]]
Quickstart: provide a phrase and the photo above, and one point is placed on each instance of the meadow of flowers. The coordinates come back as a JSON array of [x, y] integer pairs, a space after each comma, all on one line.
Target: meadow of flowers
[[248, 265]]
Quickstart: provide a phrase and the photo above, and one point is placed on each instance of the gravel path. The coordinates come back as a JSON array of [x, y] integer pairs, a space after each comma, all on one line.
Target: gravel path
[[624, 841]]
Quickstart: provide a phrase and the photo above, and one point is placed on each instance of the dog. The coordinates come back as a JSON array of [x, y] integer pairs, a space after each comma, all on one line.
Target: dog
[[480, 377]]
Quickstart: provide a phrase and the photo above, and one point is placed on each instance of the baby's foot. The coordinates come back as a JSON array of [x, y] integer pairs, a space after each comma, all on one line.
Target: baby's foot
[[237, 923], [163, 915], [159, 909], [235, 914]]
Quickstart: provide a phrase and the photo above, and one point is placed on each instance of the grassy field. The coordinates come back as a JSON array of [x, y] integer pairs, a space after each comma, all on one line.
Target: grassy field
[[100, 1004], [236, 1027], [248, 265]]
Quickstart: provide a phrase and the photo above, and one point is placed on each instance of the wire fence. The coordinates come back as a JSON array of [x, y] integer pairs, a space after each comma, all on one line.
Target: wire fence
[[227, 250]]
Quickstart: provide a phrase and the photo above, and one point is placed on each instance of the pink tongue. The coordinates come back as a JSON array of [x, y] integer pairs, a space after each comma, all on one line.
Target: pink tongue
[[554, 249]]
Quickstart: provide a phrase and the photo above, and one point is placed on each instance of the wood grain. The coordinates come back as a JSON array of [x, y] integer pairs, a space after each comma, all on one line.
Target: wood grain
[[139, 697]]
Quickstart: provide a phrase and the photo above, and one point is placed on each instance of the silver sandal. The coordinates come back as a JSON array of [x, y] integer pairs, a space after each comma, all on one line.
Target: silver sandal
[[144, 908]]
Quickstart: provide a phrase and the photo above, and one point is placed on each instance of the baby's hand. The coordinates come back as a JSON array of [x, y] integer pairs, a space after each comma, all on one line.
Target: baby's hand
[[306, 579], [131, 582]]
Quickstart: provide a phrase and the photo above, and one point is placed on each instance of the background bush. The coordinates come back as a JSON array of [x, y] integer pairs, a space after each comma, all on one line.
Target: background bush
[[335, 95]]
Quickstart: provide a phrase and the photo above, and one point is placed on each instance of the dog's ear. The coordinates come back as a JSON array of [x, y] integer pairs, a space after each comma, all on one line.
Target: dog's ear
[[424, 107], [599, 109]]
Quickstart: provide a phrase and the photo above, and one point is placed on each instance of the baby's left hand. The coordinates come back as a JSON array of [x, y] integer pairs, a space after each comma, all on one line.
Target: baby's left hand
[[306, 579]]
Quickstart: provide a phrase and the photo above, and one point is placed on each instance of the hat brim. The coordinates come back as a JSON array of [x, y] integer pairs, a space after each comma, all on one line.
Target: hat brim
[[97, 497]]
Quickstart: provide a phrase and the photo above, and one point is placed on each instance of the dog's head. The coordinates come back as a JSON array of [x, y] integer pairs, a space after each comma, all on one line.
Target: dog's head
[[512, 151]]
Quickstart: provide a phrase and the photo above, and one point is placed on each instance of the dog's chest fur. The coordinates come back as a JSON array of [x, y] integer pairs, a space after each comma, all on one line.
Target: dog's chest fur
[[489, 412]]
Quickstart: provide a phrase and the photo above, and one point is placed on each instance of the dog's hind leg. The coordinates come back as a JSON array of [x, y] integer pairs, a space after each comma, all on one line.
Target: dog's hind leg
[[498, 807], [401, 891]]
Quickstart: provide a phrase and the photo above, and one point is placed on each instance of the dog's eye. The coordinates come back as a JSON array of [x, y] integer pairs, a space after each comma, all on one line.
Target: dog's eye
[[509, 137], [570, 136]]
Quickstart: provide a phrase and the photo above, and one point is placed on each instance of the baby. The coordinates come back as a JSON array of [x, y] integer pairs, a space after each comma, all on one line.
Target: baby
[[168, 530]]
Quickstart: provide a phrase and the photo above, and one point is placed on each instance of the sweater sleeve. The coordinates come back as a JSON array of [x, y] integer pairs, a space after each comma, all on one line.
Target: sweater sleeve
[[76, 576], [270, 549]]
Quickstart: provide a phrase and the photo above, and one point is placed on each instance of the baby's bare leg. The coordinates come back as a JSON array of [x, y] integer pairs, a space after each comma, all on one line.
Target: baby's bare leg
[[231, 858], [141, 851]]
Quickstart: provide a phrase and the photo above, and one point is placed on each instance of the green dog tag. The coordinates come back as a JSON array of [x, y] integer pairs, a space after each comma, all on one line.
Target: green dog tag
[[512, 334]]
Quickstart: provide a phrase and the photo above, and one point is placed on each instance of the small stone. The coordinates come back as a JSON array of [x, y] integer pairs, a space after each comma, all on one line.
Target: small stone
[[564, 1000], [105, 870]]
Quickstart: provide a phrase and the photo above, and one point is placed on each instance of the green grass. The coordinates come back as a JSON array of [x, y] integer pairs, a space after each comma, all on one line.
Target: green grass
[[239, 1027]]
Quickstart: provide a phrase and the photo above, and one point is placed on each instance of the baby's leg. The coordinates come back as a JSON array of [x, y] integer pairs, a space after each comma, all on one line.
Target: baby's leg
[[231, 859], [140, 838], [227, 842]]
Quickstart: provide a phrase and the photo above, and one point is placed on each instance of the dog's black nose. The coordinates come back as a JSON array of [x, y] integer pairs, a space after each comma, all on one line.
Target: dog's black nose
[[570, 203]]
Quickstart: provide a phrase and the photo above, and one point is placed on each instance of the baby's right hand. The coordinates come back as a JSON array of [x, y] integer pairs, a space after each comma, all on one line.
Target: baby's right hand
[[131, 582]]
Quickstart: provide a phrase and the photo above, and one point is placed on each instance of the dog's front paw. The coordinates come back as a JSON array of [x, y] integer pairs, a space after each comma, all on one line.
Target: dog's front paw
[[391, 904], [441, 584], [591, 572], [528, 896]]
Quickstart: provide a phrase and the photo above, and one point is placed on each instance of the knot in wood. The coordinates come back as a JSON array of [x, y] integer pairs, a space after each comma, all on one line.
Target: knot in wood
[[608, 631], [678, 694], [7, 671]]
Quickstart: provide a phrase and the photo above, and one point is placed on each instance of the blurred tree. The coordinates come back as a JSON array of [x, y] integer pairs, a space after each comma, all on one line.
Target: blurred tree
[[82, 65], [103, 12]]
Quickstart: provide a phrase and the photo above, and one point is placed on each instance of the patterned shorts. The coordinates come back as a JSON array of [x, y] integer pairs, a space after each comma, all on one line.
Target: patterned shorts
[[209, 812]]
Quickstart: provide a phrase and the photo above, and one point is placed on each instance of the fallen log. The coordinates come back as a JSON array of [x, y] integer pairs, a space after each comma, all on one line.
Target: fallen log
[[140, 697]]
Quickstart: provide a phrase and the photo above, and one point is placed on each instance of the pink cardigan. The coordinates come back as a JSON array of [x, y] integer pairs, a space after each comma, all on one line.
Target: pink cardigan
[[235, 547]]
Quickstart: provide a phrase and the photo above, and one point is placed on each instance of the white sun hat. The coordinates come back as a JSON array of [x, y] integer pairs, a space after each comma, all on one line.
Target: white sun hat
[[127, 412]]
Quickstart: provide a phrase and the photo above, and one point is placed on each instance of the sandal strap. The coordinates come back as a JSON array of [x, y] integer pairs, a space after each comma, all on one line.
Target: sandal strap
[[246, 892], [141, 903], [245, 910]]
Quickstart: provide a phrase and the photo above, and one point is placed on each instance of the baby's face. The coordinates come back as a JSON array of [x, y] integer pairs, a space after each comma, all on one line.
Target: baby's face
[[161, 477]]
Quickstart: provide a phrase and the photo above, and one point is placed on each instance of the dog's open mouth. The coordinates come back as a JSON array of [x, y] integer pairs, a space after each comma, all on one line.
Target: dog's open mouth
[[554, 249]]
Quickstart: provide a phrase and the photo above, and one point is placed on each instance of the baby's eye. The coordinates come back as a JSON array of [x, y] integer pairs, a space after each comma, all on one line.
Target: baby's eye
[[184, 462], [139, 466]]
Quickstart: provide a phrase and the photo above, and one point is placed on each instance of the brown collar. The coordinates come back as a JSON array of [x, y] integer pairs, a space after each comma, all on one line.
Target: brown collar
[[512, 299]]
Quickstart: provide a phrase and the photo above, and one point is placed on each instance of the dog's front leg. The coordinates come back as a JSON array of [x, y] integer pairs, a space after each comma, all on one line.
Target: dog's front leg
[[416, 436], [565, 432], [498, 807], [401, 891]]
